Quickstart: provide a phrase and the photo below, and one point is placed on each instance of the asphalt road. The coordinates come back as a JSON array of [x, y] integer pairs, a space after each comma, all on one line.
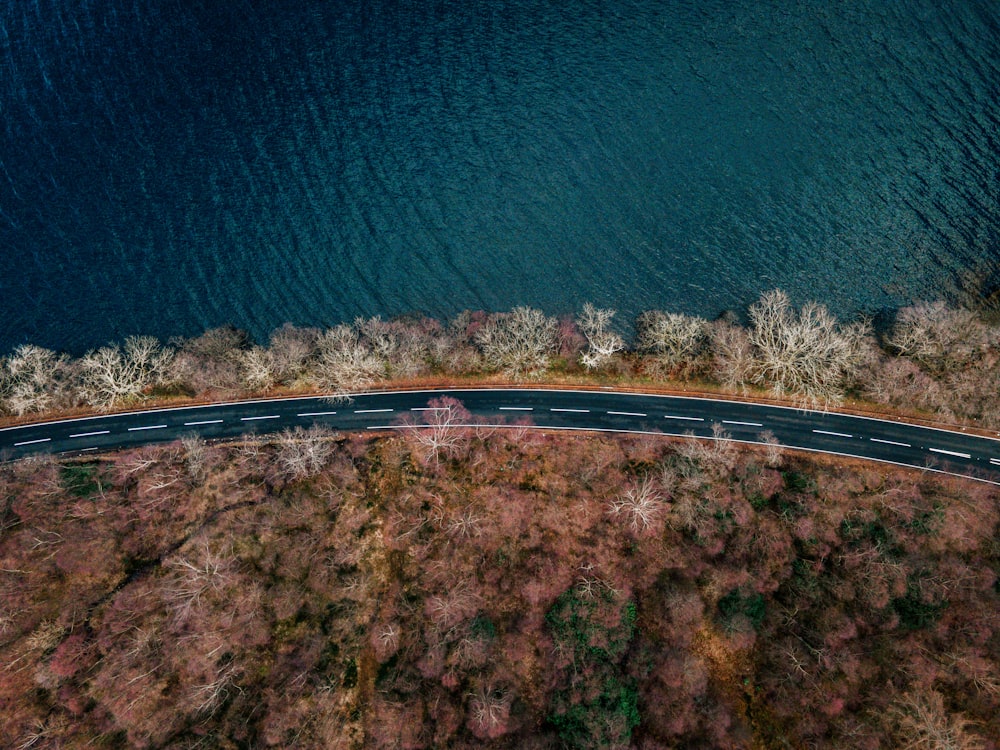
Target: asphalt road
[[950, 451]]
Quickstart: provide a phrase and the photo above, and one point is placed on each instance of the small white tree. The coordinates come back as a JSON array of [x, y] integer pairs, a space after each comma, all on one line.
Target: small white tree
[[640, 506], [112, 375], [518, 343], [259, 371], [937, 336], [344, 362], [806, 352], [31, 379], [673, 338], [443, 430], [303, 453], [602, 343]]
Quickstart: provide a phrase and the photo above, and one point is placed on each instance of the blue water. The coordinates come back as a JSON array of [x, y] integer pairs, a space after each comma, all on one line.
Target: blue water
[[167, 166]]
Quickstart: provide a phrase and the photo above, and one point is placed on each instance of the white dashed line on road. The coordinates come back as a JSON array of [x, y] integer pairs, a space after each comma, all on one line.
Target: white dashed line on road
[[203, 421], [995, 461], [148, 427], [516, 408], [746, 424], [32, 442], [316, 413], [689, 419], [627, 413], [370, 411], [835, 434], [88, 434], [574, 411], [254, 419], [891, 442], [949, 453]]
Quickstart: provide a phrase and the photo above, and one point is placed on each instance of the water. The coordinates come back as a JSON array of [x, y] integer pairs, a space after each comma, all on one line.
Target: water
[[165, 168]]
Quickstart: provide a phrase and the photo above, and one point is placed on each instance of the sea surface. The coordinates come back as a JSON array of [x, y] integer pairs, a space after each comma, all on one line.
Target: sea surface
[[168, 166]]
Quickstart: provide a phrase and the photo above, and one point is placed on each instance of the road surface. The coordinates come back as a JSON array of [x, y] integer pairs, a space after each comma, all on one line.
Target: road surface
[[948, 451]]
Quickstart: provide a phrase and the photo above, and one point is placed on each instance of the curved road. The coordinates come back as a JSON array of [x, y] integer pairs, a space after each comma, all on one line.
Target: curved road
[[948, 451]]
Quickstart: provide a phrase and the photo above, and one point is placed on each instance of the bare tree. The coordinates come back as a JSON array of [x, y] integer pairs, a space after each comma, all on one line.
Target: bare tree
[[518, 343], [772, 453], [345, 362], [640, 505], [113, 375], [602, 343], [195, 456], [924, 724], [673, 338], [259, 371], [939, 337], [443, 428], [210, 362], [292, 350], [32, 379], [803, 353], [489, 710], [303, 453], [732, 353]]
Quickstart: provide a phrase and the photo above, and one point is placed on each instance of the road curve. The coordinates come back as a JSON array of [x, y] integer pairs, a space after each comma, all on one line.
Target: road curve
[[948, 451]]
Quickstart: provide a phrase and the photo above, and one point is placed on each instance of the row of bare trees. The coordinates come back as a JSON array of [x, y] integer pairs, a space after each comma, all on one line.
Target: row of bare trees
[[933, 357]]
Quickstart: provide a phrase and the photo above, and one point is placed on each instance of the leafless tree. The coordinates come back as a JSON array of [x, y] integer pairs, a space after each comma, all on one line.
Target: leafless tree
[[924, 724], [211, 362], [490, 710], [715, 455], [113, 375], [602, 343], [443, 429], [198, 574], [673, 338], [640, 505], [303, 453], [258, 367], [345, 362], [32, 379], [519, 342], [939, 337], [292, 350], [804, 353], [772, 453], [195, 456], [732, 354]]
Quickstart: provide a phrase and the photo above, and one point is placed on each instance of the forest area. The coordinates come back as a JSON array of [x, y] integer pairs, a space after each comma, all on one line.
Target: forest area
[[494, 586]]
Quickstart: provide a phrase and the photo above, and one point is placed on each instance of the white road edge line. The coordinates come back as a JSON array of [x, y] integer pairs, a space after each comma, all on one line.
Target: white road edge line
[[574, 411], [254, 419], [149, 427], [890, 442], [370, 411], [747, 424], [627, 413], [689, 419], [203, 421], [516, 408], [949, 453], [32, 442], [835, 434], [316, 413], [88, 434], [429, 408]]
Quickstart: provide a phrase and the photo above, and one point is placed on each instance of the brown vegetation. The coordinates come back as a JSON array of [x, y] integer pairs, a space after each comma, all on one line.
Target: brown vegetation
[[483, 586], [933, 358]]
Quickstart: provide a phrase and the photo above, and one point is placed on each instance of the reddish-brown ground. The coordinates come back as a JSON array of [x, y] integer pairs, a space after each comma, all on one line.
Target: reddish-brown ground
[[511, 589]]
